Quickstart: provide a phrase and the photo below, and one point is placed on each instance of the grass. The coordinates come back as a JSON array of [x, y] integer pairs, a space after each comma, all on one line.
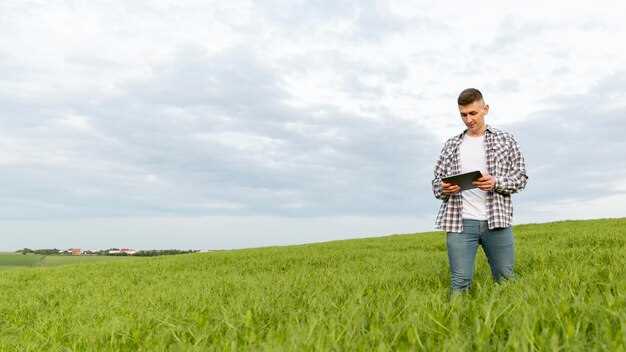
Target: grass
[[12, 260], [15, 260], [386, 294], [54, 260]]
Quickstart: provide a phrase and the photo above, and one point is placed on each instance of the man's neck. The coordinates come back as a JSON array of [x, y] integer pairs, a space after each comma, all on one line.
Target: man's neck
[[480, 134]]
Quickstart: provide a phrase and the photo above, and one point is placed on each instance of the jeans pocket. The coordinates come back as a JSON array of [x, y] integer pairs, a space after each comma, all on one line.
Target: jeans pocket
[[471, 227]]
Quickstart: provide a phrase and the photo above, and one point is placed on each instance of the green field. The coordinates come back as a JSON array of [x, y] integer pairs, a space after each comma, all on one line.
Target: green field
[[384, 294], [12, 260]]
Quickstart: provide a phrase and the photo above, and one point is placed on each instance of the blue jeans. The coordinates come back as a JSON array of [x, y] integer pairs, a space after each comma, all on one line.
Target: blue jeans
[[498, 245]]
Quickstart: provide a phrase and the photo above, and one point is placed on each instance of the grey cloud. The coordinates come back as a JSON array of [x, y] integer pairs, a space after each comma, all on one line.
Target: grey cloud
[[506, 85], [371, 21], [306, 15], [593, 24], [561, 71], [573, 150], [213, 135], [512, 31], [359, 80]]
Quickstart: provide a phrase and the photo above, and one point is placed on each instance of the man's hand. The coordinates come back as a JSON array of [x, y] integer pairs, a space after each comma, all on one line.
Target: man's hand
[[449, 188], [485, 183]]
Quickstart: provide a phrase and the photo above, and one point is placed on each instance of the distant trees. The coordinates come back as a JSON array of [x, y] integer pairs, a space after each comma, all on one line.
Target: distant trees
[[156, 252], [46, 251], [38, 251], [145, 253], [110, 252]]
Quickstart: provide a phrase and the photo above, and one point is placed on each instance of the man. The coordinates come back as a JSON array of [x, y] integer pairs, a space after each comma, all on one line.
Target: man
[[483, 215]]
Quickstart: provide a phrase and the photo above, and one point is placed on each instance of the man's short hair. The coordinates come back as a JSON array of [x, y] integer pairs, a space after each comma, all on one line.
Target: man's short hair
[[469, 96]]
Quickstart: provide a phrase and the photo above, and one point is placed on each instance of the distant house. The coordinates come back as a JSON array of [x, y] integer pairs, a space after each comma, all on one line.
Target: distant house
[[127, 251], [75, 251]]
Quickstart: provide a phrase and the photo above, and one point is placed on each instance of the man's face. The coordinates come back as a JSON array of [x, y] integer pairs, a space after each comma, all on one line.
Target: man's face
[[473, 116]]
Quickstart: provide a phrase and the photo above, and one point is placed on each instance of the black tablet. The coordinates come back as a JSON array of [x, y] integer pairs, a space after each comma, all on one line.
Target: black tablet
[[464, 180]]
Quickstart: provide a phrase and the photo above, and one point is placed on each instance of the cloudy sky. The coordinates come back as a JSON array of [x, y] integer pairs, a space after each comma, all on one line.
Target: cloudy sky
[[191, 124]]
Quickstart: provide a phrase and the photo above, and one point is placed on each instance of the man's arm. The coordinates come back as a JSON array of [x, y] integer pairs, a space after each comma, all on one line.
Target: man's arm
[[516, 179], [439, 173]]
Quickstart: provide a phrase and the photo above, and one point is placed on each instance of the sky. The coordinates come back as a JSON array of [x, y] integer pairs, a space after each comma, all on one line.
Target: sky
[[235, 124]]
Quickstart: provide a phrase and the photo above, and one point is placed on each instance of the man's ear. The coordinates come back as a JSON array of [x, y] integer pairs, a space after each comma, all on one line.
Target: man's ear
[[486, 108]]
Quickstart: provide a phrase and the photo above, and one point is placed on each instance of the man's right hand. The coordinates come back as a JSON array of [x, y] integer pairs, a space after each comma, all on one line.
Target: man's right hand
[[449, 188]]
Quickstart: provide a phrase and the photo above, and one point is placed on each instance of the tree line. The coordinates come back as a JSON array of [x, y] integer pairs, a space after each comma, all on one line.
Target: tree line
[[107, 252]]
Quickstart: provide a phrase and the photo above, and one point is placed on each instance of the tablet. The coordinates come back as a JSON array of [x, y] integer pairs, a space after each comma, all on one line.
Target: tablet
[[464, 180]]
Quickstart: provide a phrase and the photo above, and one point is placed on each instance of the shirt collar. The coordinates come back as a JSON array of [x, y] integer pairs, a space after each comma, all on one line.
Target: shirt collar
[[488, 128], [459, 137]]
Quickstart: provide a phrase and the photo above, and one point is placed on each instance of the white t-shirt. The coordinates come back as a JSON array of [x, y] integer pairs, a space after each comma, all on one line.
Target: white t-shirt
[[472, 159]]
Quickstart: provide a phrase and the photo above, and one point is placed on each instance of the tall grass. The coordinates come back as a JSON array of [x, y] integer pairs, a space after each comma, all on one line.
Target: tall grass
[[388, 293]]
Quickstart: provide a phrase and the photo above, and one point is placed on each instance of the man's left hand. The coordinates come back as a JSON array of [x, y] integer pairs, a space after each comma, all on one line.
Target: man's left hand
[[485, 183]]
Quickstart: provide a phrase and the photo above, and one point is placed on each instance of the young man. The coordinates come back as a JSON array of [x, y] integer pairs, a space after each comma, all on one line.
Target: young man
[[483, 215]]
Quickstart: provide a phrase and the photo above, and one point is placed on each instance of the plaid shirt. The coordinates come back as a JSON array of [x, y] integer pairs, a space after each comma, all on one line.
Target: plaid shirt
[[504, 161]]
